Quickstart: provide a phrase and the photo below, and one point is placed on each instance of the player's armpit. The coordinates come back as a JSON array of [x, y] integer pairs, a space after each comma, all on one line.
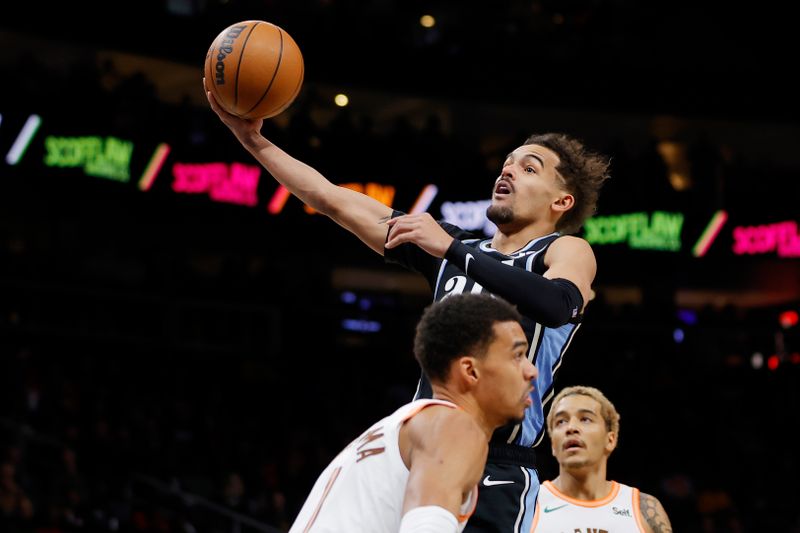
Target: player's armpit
[[655, 517]]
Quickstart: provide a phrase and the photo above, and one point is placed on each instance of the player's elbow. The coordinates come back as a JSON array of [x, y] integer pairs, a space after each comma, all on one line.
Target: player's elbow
[[555, 320], [324, 200], [347, 208], [558, 304]]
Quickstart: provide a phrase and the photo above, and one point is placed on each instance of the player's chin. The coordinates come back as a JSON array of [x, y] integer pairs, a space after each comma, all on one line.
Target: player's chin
[[573, 463], [500, 213], [517, 418]]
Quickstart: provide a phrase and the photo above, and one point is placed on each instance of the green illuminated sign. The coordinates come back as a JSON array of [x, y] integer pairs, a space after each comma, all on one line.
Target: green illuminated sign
[[659, 231], [100, 157]]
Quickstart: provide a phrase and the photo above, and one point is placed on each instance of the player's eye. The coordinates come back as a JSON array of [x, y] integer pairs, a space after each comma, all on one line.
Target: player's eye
[[530, 170]]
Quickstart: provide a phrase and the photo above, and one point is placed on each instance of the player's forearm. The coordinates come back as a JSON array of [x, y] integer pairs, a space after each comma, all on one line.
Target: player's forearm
[[551, 302], [303, 181]]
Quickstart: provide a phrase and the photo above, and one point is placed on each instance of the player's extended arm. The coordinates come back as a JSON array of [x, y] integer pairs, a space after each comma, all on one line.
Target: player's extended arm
[[448, 453], [654, 515], [356, 212], [551, 299]]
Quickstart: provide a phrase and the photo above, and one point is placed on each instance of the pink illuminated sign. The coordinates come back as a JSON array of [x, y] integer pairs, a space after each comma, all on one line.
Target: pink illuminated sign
[[236, 183], [781, 237]]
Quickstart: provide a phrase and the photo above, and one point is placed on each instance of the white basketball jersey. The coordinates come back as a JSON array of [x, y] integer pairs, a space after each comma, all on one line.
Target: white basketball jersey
[[362, 490], [616, 513]]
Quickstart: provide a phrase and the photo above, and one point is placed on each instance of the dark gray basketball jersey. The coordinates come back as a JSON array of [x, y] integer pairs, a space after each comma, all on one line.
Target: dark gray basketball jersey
[[547, 345]]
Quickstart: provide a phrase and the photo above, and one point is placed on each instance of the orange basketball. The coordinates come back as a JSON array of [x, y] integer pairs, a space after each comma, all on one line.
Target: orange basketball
[[254, 69]]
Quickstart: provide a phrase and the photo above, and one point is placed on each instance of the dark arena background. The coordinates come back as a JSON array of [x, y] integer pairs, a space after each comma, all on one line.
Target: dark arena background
[[183, 347]]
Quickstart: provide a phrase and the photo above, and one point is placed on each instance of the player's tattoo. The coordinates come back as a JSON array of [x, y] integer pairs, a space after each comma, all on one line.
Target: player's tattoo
[[384, 219], [654, 514]]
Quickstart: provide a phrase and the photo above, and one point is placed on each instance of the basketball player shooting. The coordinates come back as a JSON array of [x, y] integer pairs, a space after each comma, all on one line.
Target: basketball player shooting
[[545, 189]]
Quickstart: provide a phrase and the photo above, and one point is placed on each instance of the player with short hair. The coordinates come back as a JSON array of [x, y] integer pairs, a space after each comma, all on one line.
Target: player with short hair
[[584, 430], [418, 469]]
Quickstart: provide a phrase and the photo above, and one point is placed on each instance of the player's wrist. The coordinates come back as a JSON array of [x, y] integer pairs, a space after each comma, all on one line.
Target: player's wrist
[[456, 252], [428, 519], [252, 139]]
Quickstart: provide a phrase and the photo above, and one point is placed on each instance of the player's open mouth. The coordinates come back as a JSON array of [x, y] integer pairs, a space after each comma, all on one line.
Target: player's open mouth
[[503, 187], [573, 444], [527, 396]]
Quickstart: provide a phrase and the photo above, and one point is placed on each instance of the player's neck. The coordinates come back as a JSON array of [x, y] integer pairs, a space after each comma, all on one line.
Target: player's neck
[[468, 404], [585, 485], [508, 239]]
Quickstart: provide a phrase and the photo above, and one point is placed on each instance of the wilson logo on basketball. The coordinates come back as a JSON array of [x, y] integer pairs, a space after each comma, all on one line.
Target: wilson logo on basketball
[[225, 48], [257, 69]]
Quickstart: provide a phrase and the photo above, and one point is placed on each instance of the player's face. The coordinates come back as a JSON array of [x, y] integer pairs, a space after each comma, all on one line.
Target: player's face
[[507, 374], [579, 437], [527, 186]]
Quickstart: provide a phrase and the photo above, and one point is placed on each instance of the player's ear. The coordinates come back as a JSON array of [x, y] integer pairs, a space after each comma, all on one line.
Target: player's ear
[[468, 370], [563, 203], [611, 441]]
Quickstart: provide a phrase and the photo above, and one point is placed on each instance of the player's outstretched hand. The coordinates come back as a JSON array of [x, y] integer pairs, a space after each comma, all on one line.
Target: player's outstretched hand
[[239, 126]]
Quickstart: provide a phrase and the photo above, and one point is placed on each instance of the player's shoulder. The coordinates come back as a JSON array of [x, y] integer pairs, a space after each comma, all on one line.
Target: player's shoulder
[[649, 501], [569, 240], [446, 426], [570, 244], [653, 514]]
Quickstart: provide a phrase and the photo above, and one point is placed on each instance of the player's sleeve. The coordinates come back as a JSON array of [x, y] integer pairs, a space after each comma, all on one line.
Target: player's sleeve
[[428, 519], [551, 302], [412, 257]]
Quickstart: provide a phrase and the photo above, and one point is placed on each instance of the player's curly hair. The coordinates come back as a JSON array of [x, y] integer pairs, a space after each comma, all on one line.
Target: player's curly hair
[[583, 172], [458, 325]]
